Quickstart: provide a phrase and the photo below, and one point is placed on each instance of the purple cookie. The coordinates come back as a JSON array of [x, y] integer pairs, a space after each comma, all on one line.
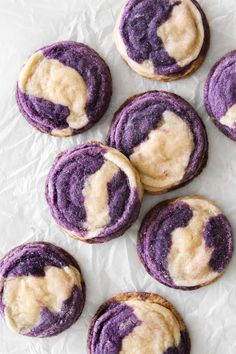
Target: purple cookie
[[163, 137], [42, 292], [220, 96], [64, 88], [93, 192], [162, 39], [138, 323], [185, 243]]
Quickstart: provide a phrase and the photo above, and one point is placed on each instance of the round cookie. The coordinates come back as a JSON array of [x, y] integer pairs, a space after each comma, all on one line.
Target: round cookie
[[93, 192], [163, 137], [138, 323], [162, 39], [185, 243], [219, 94], [64, 89], [42, 292]]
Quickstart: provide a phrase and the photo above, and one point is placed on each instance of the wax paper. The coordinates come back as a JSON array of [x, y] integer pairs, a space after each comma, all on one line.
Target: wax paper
[[26, 156]]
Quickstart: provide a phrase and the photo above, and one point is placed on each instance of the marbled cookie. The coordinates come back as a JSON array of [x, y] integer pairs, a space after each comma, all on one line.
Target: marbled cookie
[[42, 292], [93, 192], [185, 243], [163, 137], [64, 88], [219, 94], [138, 323], [162, 39]]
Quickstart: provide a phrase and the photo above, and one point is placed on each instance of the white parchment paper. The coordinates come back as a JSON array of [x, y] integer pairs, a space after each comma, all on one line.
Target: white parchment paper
[[26, 156]]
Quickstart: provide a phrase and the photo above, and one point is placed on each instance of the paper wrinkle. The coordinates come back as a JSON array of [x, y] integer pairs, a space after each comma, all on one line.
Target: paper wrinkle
[[26, 157]]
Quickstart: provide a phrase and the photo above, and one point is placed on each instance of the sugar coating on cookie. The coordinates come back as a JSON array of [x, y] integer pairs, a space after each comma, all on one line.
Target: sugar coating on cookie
[[64, 88], [93, 192], [164, 39], [132, 323], [42, 292], [219, 94], [185, 243], [163, 137]]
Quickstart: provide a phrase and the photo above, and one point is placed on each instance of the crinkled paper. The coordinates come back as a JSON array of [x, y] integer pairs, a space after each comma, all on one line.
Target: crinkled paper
[[26, 156]]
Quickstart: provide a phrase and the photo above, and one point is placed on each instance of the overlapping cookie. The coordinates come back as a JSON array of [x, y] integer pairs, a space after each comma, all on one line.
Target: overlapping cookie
[[93, 192], [162, 39], [42, 292], [219, 94], [64, 88], [185, 243], [138, 323], [163, 137]]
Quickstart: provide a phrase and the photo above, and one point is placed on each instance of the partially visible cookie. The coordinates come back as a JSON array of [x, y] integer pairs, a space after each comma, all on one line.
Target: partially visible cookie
[[163, 137], [219, 94], [94, 193], [42, 292], [64, 88], [185, 243], [162, 39], [138, 323]]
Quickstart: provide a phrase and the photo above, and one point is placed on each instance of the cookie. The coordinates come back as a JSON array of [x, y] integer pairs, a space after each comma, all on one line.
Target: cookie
[[93, 192], [138, 323], [219, 94], [185, 243], [163, 137], [64, 89], [42, 292], [162, 39]]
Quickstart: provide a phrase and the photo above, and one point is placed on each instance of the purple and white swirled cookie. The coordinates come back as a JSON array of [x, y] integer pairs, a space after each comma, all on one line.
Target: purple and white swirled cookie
[[162, 39], [94, 193], [185, 243], [138, 323], [64, 88], [163, 137], [42, 292], [219, 94]]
